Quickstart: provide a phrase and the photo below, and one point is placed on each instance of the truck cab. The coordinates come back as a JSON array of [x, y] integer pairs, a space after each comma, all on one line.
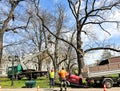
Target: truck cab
[[14, 70]]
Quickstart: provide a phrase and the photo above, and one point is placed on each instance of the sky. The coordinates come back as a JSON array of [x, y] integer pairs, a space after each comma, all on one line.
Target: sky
[[114, 38], [49, 4]]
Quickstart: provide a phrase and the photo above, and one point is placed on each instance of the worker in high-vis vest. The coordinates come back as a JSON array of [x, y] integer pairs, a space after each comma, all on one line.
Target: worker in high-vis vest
[[52, 76]]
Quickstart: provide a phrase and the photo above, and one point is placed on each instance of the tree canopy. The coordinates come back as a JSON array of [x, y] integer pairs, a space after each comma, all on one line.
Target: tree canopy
[[69, 29]]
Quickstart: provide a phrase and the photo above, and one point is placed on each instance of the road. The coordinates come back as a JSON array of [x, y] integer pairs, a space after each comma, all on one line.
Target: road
[[57, 89]]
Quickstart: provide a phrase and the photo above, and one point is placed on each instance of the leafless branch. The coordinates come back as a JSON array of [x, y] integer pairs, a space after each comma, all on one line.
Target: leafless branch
[[72, 6], [104, 8], [15, 43], [50, 30], [62, 60], [19, 27], [102, 48], [104, 29]]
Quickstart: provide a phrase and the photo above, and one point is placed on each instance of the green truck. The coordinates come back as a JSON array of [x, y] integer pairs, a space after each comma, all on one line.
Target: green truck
[[18, 73]]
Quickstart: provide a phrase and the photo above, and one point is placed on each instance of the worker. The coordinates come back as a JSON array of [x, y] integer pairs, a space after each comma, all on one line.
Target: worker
[[52, 76], [62, 75]]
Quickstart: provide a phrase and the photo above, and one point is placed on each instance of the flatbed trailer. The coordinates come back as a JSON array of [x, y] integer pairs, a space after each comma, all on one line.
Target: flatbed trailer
[[19, 73]]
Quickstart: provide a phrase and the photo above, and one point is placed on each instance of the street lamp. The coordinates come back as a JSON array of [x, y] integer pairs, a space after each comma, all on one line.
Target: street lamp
[[13, 59]]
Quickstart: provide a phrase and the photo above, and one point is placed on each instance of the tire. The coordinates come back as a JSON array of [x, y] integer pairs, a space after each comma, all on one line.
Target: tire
[[90, 82], [11, 78], [34, 77], [29, 77], [19, 78], [108, 83], [80, 82]]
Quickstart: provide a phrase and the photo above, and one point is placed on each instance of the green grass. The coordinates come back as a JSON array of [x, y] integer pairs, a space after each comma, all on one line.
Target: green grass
[[42, 82], [113, 75]]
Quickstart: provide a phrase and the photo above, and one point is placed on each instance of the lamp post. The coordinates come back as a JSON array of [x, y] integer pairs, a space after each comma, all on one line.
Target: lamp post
[[13, 59]]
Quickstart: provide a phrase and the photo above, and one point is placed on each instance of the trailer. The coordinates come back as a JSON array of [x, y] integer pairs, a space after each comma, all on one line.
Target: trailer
[[107, 72]]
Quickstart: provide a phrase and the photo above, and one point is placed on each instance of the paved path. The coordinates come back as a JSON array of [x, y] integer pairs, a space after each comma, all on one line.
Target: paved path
[[57, 89]]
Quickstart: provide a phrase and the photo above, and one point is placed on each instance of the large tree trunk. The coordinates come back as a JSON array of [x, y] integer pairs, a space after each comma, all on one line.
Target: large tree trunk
[[39, 63], [79, 49], [1, 46], [55, 64], [80, 62]]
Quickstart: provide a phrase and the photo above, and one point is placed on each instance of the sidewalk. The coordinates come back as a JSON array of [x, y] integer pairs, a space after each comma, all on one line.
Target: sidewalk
[[22, 89], [57, 89]]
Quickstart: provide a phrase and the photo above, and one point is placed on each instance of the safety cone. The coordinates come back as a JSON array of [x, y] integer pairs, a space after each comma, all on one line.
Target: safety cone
[[105, 88], [38, 89], [0, 88]]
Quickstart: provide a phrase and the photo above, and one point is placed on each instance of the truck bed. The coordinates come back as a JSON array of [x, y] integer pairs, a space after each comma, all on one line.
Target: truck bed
[[102, 70], [38, 73]]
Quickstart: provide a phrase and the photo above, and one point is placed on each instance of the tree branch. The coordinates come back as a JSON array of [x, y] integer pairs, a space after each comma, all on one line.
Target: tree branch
[[72, 7], [52, 32], [62, 60], [102, 48], [20, 27]]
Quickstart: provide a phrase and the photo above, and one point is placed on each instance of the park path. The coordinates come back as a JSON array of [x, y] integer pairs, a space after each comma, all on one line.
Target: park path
[[57, 89]]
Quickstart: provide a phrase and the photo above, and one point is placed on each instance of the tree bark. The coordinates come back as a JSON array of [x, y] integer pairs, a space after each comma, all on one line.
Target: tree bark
[[39, 63], [1, 46], [79, 49]]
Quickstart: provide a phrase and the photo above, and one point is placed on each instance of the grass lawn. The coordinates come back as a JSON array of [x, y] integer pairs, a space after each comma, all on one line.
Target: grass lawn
[[42, 82]]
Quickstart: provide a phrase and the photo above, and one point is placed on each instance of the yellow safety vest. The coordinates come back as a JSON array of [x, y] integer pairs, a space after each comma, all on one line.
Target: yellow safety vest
[[51, 74]]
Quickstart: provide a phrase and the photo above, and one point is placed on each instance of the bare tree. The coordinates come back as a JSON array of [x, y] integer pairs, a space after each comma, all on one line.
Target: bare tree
[[83, 15], [38, 34], [59, 20], [86, 13], [66, 51], [5, 23], [59, 24]]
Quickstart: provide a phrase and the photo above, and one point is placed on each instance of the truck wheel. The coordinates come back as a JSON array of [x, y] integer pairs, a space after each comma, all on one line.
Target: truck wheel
[[19, 78], [108, 83], [11, 78], [34, 77], [29, 77], [80, 81], [90, 82]]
